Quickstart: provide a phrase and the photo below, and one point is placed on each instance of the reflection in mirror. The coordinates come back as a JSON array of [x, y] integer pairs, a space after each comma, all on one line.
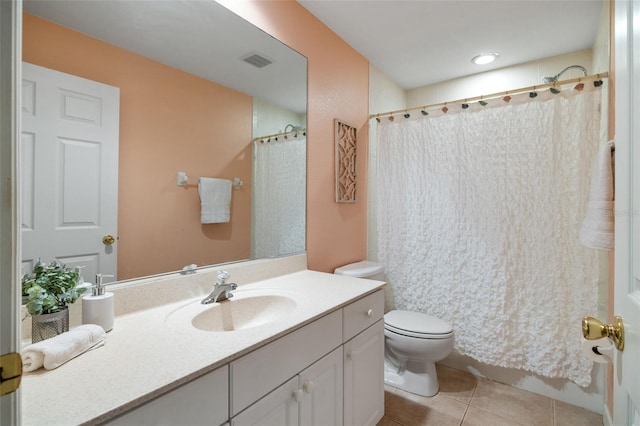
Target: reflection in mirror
[[119, 98], [278, 221]]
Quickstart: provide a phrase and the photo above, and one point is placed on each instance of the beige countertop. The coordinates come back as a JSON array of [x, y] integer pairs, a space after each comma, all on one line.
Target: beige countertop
[[146, 354]]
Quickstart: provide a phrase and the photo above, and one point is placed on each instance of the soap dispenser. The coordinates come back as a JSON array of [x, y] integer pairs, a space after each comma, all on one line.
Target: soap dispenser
[[97, 308]]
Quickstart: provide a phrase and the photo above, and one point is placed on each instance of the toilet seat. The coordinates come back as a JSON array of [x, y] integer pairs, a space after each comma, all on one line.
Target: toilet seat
[[417, 324]]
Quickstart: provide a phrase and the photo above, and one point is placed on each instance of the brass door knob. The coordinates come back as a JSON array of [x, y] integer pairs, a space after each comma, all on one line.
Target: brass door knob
[[10, 372], [108, 240], [593, 329]]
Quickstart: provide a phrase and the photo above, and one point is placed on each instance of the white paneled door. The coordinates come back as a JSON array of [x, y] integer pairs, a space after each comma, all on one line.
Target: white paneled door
[[69, 142], [626, 390]]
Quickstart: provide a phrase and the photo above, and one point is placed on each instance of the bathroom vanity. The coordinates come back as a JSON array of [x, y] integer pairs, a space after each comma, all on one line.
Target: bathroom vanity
[[319, 363]]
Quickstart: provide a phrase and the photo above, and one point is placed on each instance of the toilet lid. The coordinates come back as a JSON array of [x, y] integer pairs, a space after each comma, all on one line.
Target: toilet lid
[[416, 322]]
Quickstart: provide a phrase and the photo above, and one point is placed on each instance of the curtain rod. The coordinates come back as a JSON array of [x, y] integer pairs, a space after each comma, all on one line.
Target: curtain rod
[[495, 95], [285, 134]]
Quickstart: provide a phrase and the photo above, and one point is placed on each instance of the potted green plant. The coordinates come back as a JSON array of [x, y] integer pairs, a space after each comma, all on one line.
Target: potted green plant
[[50, 288]]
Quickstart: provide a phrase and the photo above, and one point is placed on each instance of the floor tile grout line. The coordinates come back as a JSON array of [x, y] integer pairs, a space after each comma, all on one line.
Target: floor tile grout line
[[464, 415], [475, 386], [509, 419], [473, 392]]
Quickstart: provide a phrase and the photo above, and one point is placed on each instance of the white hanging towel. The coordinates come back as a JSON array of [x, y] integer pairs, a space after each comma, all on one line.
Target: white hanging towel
[[215, 200], [598, 227]]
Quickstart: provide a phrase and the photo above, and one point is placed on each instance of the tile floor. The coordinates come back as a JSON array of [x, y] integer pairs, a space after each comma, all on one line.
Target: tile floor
[[469, 401]]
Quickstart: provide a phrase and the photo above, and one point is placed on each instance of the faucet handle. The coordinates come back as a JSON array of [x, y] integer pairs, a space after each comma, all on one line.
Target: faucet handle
[[222, 277]]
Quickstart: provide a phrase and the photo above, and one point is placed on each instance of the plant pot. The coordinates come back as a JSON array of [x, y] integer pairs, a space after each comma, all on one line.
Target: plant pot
[[46, 326]]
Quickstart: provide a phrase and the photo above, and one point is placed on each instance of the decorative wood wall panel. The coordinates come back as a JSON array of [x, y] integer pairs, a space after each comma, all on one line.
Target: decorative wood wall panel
[[346, 174]]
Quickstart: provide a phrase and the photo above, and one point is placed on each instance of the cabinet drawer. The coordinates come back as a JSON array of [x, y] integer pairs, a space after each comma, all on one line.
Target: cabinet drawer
[[362, 314], [204, 401], [264, 369]]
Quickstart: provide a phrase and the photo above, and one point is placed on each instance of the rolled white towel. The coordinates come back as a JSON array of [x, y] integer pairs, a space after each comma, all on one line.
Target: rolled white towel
[[54, 352]]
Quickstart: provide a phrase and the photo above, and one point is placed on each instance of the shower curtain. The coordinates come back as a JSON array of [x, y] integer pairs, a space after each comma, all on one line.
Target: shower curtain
[[279, 200], [479, 212]]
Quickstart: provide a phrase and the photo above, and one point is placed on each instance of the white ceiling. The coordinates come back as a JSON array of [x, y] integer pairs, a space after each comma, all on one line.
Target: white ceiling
[[421, 42], [415, 43]]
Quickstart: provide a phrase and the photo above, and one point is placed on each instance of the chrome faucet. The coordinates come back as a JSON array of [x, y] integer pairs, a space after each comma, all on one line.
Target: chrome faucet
[[221, 290]]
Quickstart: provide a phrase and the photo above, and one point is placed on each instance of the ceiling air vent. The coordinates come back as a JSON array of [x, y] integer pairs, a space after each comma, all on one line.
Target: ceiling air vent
[[256, 59]]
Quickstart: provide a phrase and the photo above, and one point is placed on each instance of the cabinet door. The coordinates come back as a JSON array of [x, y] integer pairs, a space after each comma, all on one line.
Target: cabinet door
[[321, 385], [278, 408], [364, 377]]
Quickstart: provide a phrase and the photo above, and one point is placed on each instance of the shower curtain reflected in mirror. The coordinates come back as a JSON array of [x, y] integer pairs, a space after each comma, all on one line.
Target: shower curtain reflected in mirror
[[279, 201], [479, 212]]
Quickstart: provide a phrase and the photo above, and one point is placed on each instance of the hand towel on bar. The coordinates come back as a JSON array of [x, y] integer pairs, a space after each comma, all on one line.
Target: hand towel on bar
[[215, 200], [597, 229], [54, 352]]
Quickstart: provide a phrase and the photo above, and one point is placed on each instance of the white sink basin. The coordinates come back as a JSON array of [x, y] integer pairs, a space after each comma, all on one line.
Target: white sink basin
[[247, 309]]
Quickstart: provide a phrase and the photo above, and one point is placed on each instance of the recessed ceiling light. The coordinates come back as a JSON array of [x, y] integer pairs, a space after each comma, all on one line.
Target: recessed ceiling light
[[484, 58]]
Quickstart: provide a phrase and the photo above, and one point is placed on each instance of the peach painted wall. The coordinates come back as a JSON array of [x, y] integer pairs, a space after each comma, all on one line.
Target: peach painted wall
[[170, 121], [338, 87]]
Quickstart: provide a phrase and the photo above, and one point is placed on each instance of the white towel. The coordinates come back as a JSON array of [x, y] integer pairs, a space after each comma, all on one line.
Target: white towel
[[598, 227], [54, 352], [215, 200]]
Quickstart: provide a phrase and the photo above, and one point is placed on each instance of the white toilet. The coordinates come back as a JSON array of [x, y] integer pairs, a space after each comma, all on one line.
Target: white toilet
[[414, 341]]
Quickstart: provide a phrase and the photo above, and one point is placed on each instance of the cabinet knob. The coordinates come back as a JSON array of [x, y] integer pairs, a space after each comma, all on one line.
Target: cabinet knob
[[298, 395], [369, 313], [308, 386], [349, 355]]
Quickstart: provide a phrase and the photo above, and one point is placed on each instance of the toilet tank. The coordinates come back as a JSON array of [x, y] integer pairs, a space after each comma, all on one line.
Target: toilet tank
[[363, 269]]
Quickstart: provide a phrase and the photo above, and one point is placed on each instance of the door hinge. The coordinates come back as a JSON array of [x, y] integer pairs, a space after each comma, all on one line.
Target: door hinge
[[10, 372]]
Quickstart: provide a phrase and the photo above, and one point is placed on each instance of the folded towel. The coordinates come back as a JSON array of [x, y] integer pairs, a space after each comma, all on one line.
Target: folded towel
[[598, 227], [215, 200], [54, 352]]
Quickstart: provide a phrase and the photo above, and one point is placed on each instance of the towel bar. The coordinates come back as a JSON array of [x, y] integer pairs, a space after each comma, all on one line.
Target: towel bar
[[183, 181]]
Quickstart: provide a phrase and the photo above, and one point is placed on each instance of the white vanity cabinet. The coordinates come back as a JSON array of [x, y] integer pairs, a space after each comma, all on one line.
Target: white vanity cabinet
[[328, 372], [203, 401], [344, 387]]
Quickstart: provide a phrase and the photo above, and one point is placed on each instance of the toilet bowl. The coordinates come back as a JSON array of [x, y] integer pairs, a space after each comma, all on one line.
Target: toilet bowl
[[414, 341]]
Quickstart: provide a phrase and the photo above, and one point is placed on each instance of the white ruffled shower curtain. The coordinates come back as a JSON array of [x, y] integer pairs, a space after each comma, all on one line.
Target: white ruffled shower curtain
[[479, 213], [278, 198]]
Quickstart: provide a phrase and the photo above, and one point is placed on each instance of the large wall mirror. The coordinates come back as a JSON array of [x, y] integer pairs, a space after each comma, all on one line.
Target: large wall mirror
[[181, 87]]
